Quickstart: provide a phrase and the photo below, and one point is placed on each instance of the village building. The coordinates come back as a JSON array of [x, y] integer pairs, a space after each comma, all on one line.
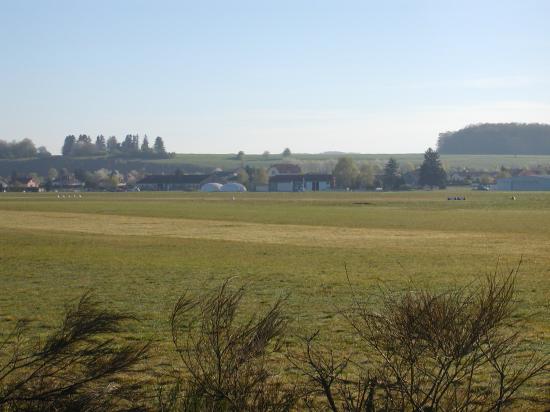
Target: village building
[[172, 182], [67, 184], [186, 182], [279, 181], [24, 184], [309, 182], [524, 183]]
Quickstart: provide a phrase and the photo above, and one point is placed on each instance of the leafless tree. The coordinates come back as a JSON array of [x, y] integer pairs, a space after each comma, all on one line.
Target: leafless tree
[[81, 365]]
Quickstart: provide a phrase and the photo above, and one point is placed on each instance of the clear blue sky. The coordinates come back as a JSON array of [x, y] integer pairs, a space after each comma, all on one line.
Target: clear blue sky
[[222, 76]]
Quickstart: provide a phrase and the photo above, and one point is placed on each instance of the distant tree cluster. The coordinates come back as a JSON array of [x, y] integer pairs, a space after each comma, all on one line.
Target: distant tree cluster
[[349, 175], [497, 138], [23, 149], [431, 173], [83, 146]]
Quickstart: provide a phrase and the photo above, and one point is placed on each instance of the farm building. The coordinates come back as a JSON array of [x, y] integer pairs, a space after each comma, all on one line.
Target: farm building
[[67, 183], [24, 184], [27, 183], [301, 183], [172, 182], [186, 182], [524, 183]]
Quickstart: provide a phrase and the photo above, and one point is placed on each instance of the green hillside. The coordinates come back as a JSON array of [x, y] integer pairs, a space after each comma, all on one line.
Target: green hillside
[[197, 163], [497, 138]]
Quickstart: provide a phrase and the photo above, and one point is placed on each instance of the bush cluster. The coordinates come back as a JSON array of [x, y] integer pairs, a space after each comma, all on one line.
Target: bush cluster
[[459, 350]]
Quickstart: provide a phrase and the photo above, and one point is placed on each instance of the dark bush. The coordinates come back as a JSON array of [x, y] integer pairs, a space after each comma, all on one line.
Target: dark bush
[[227, 360], [424, 351], [81, 365]]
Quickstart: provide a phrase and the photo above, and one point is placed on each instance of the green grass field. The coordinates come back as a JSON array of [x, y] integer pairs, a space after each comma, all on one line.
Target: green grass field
[[139, 251]]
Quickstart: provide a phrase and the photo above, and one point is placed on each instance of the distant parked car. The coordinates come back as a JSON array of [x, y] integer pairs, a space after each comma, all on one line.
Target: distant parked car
[[483, 188]]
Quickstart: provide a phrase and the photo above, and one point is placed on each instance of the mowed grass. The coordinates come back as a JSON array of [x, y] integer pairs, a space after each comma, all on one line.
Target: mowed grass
[[139, 251]]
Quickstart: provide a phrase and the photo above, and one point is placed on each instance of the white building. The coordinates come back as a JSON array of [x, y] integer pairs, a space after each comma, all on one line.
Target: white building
[[309, 182]]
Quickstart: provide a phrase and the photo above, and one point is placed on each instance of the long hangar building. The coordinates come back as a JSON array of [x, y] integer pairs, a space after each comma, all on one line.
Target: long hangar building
[[524, 183]]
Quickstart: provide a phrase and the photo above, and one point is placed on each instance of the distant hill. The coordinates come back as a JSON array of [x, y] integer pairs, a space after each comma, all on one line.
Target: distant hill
[[205, 163], [41, 166], [497, 138]]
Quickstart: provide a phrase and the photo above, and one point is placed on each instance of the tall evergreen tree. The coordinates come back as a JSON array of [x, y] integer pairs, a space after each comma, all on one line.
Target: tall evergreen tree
[[68, 145], [392, 178], [128, 143], [85, 139], [112, 145], [135, 143], [432, 172], [159, 146], [100, 144], [145, 145]]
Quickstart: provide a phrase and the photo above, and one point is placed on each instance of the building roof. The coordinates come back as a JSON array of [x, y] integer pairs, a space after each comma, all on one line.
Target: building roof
[[308, 177], [287, 168], [286, 178], [24, 180], [173, 179], [68, 181], [526, 178]]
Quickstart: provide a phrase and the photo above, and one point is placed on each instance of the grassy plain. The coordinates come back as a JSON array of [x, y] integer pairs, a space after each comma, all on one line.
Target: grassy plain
[[140, 251]]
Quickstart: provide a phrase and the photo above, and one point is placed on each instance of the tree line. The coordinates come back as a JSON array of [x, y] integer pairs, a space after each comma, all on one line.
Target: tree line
[[497, 138], [463, 349], [85, 146], [349, 175], [130, 147], [23, 149]]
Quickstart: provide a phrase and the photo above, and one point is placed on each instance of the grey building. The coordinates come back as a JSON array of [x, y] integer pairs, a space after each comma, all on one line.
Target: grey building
[[309, 182], [524, 183]]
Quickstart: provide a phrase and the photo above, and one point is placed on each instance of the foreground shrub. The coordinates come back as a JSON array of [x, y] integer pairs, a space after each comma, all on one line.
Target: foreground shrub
[[79, 366], [459, 350], [227, 360]]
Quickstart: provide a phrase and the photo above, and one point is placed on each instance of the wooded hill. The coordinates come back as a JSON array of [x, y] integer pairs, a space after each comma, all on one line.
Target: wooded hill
[[497, 138]]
